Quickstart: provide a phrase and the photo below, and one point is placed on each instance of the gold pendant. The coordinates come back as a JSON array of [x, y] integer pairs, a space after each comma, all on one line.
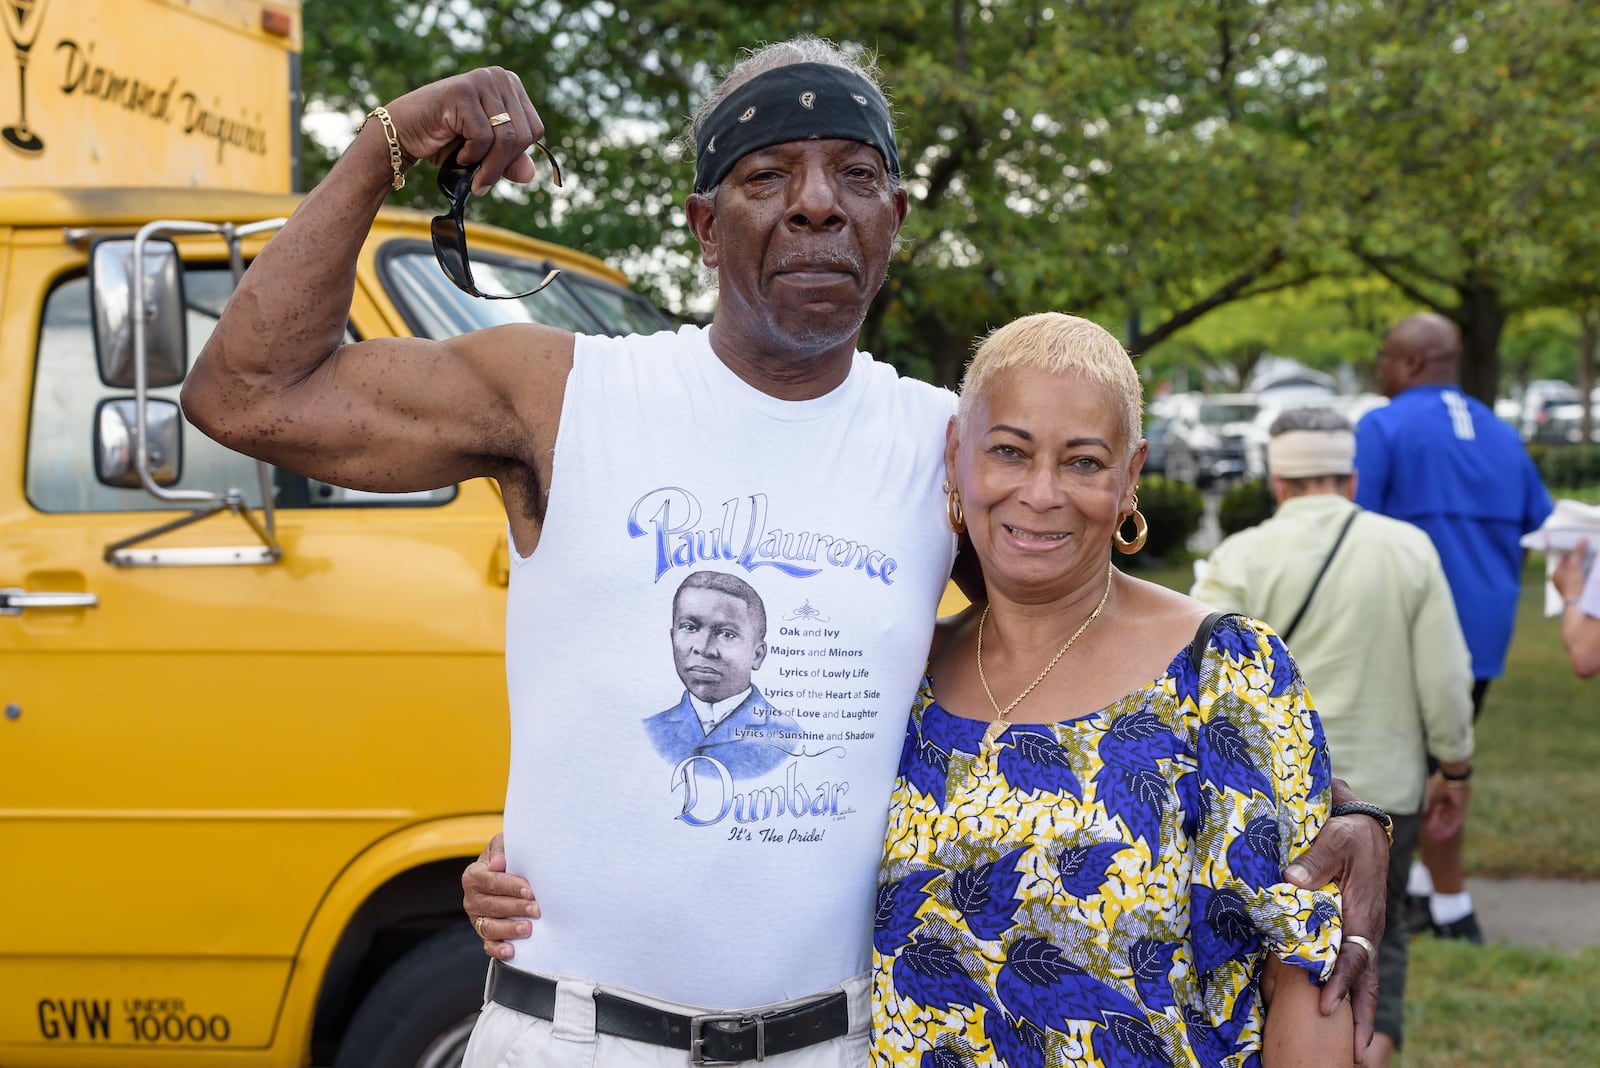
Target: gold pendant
[[992, 734]]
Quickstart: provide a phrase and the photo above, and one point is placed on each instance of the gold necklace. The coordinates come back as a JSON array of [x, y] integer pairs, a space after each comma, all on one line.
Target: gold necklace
[[999, 724]]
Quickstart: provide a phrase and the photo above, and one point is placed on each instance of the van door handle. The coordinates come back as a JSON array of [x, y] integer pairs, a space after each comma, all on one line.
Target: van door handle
[[13, 600]]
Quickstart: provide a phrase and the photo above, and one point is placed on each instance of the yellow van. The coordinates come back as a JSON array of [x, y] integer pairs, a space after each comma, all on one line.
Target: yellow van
[[251, 726]]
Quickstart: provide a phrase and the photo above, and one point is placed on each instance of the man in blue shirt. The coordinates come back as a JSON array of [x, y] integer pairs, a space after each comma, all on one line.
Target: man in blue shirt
[[1441, 460]]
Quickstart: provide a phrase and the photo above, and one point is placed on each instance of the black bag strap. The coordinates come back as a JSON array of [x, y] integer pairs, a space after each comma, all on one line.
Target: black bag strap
[[1202, 638], [1318, 580]]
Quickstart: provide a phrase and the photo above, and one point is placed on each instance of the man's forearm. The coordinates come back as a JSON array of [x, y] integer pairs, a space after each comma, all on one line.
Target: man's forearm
[[290, 310]]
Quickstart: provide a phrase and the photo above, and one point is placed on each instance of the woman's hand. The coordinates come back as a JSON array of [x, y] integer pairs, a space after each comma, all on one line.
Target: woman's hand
[[1568, 577], [496, 902]]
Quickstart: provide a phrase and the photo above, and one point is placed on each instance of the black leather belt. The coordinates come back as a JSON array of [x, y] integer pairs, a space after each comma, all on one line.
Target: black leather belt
[[711, 1038]]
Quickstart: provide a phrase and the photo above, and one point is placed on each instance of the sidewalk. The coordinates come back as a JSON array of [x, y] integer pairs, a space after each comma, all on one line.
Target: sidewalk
[[1538, 912]]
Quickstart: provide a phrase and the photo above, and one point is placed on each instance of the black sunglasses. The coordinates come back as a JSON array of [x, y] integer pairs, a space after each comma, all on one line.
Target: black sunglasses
[[450, 230]]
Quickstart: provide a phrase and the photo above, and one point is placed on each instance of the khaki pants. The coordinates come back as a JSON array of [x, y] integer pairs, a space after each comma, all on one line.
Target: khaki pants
[[505, 1038]]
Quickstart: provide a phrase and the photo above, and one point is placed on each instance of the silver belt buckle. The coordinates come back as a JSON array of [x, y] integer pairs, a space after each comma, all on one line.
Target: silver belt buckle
[[697, 1040]]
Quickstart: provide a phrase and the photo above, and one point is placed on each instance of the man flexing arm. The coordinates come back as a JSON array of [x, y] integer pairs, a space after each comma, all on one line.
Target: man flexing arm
[[387, 414]]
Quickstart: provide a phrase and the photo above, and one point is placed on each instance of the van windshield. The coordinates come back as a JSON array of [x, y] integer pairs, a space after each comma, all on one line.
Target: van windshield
[[433, 307]]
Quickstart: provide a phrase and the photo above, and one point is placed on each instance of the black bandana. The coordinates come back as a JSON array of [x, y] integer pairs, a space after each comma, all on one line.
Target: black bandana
[[797, 102]]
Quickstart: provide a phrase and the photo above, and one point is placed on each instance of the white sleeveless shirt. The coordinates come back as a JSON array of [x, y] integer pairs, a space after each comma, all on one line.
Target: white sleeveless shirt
[[736, 867]]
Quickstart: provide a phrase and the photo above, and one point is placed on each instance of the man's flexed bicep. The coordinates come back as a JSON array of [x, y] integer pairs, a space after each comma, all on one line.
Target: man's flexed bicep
[[396, 414], [275, 381]]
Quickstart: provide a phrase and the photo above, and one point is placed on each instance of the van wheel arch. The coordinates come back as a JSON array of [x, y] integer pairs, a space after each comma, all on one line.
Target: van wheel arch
[[398, 918]]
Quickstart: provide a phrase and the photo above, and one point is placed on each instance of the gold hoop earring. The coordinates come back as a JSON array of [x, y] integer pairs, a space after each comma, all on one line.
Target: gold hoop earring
[[952, 509], [1141, 531]]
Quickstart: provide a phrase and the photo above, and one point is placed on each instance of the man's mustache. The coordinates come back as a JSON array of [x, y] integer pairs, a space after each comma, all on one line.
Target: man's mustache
[[826, 259]]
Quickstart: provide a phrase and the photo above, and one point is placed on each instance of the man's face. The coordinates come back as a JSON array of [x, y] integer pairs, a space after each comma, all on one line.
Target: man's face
[[800, 234], [715, 643]]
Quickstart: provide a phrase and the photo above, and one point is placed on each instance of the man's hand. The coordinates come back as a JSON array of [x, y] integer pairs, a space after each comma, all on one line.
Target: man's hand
[[1444, 808], [429, 120], [1353, 852], [496, 902]]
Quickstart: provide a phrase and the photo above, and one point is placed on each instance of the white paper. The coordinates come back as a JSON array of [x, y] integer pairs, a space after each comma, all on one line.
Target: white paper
[[1569, 522]]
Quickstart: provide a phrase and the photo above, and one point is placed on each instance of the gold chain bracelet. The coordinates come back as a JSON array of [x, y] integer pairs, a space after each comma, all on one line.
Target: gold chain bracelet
[[395, 157]]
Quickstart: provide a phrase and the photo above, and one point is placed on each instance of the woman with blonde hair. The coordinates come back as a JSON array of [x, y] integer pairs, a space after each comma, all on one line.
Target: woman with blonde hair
[[1101, 784]]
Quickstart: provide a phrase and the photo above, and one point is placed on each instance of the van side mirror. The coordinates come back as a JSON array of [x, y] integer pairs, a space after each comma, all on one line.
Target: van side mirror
[[110, 294], [116, 442]]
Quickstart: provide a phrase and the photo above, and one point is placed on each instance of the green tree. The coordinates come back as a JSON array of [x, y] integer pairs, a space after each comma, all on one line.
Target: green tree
[[1328, 324], [1113, 159], [613, 86], [1117, 159], [1570, 282], [1464, 132], [1146, 162]]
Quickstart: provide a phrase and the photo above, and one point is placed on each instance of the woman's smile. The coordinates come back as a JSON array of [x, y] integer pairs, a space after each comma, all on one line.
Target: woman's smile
[[1025, 537]]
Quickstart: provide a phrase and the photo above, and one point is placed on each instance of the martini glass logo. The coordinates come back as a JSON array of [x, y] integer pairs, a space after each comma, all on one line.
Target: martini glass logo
[[22, 25]]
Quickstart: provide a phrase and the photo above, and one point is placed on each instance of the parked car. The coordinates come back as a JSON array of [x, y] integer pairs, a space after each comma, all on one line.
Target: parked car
[[1227, 438], [1540, 398], [1157, 432], [1169, 453], [1562, 424]]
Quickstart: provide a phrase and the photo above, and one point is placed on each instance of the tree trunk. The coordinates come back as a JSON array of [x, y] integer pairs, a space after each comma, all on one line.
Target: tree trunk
[[1243, 364], [1482, 319], [931, 340]]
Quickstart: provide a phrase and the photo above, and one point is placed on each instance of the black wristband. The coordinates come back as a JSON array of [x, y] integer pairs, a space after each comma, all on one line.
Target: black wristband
[[1455, 780], [1362, 808]]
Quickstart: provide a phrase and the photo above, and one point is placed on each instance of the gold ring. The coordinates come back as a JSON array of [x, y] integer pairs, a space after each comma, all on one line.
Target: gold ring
[[500, 119], [478, 926], [1372, 950]]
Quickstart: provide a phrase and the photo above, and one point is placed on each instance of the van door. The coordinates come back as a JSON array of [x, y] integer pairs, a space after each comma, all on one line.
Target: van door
[[189, 755]]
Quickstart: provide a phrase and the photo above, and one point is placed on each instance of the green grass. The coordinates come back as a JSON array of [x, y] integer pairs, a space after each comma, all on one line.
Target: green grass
[[1590, 494], [1535, 786], [1468, 1006]]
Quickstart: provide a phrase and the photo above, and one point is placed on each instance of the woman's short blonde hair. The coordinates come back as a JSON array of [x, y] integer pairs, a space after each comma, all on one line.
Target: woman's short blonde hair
[[1060, 345]]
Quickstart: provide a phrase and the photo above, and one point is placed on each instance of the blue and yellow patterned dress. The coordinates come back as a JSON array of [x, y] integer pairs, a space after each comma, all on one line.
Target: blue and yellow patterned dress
[[1104, 891]]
